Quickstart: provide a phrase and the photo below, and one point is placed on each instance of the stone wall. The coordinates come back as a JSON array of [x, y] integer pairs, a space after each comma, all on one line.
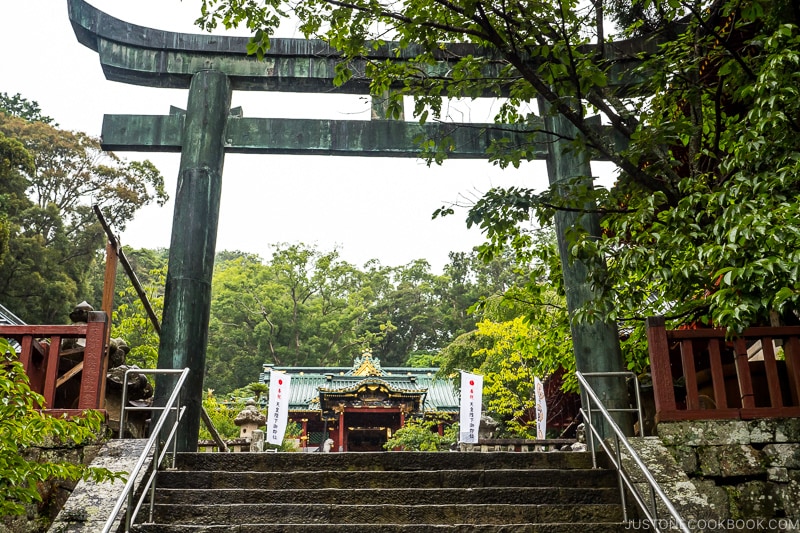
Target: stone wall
[[91, 503], [746, 469], [54, 493]]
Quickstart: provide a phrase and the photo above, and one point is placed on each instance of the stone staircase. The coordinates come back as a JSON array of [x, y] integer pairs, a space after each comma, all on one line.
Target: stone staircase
[[505, 492]]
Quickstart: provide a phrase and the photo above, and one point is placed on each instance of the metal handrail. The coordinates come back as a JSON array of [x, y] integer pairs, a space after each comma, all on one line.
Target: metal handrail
[[153, 445], [590, 397], [637, 409]]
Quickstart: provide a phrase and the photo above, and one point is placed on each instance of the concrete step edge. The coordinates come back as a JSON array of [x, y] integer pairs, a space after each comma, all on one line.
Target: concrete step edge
[[595, 526], [386, 513], [406, 495]]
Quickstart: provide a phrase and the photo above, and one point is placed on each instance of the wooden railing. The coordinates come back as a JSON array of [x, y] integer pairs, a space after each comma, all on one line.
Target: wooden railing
[[701, 374], [41, 356]]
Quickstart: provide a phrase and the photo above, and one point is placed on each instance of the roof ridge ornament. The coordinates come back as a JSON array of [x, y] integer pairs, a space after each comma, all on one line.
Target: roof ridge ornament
[[367, 365]]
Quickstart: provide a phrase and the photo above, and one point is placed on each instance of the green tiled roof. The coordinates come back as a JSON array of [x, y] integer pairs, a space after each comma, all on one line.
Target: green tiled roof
[[307, 382]]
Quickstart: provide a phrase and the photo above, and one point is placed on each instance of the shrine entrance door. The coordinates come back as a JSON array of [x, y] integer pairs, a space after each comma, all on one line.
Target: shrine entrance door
[[368, 430]]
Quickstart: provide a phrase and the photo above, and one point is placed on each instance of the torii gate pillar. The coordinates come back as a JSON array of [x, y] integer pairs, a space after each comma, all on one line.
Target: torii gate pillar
[[187, 298], [596, 344]]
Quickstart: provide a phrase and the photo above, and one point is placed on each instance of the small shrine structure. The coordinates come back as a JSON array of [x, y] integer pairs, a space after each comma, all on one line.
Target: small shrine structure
[[360, 407]]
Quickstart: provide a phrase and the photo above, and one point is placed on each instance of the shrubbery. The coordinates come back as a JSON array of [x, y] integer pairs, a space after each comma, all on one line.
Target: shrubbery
[[23, 426], [422, 436]]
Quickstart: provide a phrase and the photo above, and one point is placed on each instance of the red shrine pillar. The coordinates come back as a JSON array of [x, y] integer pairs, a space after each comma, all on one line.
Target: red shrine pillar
[[440, 428], [342, 444]]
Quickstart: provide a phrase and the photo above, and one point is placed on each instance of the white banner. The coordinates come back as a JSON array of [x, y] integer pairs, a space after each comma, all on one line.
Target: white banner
[[278, 411], [541, 409], [471, 398]]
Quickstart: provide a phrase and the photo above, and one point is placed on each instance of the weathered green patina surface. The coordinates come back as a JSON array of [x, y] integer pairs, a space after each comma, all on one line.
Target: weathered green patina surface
[[362, 138], [187, 298], [145, 56], [214, 66]]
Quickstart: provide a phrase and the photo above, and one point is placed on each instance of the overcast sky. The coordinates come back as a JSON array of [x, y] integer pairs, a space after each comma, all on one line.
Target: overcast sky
[[366, 207]]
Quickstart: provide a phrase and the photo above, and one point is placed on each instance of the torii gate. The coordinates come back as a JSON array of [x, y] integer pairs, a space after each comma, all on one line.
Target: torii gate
[[211, 67]]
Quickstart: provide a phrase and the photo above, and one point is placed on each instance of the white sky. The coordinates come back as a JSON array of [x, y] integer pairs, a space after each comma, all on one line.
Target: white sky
[[366, 207]]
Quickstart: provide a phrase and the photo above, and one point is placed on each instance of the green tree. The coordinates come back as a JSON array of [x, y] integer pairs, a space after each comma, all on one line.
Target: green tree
[[301, 308], [511, 352], [409, 314], [424, 360], [234, 354], [147, 264], [716, 244], [524, 333], [18, 106], [222, 416], [131, 322], [54, 236], [23, 426], [14, 160], [518, 353], [325, 300], [424, 312], [304, 307], [258, 390]]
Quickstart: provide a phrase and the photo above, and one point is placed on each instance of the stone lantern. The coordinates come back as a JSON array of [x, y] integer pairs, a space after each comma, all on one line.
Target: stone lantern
[[249, 419]]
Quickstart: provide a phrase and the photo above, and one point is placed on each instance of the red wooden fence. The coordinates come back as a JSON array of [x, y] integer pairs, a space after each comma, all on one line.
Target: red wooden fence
[[700, 374], [41, 354]]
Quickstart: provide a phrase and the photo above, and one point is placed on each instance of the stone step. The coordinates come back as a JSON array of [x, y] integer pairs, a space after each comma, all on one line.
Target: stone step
[[385, 514], [344, 479], [396, 461], [401, 496], [499, 492], [384, 528]]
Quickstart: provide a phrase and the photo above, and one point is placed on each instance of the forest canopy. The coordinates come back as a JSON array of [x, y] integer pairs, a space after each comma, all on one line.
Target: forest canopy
[[307, 307]]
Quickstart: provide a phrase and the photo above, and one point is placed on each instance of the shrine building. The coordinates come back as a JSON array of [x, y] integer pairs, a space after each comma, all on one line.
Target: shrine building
[[360, 407]]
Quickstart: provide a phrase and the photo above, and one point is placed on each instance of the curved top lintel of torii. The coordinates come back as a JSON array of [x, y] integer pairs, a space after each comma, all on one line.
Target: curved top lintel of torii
[[139, 55]]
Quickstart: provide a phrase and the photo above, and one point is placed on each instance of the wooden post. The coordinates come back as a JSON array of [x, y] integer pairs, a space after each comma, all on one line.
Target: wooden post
[[771, 369], [212, 429], [187, 297], [689, 374], [791, 349], [661, 371], [743, 374], [107, 306], [717, 374], [126, 266], [93, 376], [342, 445], [51, 372], [26, 358]]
